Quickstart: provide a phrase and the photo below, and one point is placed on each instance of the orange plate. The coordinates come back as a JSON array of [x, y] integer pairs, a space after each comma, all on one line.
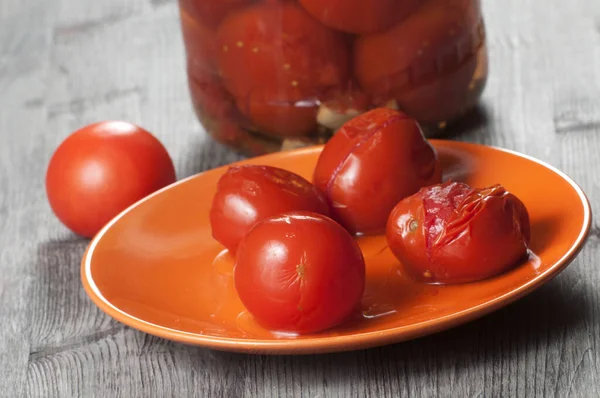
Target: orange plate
[[156, 267]]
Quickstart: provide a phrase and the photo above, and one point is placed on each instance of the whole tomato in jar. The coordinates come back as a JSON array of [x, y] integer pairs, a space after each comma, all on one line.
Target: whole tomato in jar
[[276, 53], [279, 113], [427, 62], [360, 16], [370, 164], [452, 233], [210, 97]]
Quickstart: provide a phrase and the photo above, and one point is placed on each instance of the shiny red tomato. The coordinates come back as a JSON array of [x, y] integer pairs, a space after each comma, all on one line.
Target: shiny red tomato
[[452, 233], [360, 16], [426, 62], [211, 12], [370, 164], [102, 169], [280, 48], [299, 272], [248, 194]]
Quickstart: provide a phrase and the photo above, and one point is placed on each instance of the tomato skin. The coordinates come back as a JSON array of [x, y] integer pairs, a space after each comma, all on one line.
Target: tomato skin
[[279, 114], [100, 170], [452, 233], [211, 97], [211, 12], [426, 62], [370, 164], [359, 16], [280, 47], [200, 44], [299, 272], [250, 193]]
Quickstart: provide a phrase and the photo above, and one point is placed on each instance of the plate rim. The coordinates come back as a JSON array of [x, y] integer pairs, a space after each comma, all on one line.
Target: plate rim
[[339, 343]]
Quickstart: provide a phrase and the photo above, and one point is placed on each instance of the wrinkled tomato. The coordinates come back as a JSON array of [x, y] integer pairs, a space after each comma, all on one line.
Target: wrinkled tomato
[[370, 164], [452, 233], [299, 272], [427, 62], [248, 194], [360, 16], [280, 49]]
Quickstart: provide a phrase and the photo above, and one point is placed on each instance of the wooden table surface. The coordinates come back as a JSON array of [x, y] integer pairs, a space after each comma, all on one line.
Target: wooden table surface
[[66, 63]]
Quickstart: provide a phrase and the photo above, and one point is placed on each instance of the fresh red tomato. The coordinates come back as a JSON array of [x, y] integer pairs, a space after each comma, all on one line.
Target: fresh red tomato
[[211, 12], [248, 194], [279, 47], [360, 16], [452, 233], [102, 169], [299, 272], [279, 114], [370, 164], [426, 62]]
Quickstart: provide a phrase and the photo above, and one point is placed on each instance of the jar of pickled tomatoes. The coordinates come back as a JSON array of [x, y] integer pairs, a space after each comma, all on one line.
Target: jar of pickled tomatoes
[[266, 75]]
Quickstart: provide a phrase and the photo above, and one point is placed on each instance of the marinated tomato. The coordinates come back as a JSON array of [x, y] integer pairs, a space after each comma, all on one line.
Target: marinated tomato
[[210, 97], [211, 12], [279, 114], [248, 194], [452, 233], [370, 164], [427, 62], [299, 272], [276, 53], [360, 16], [200, 45], [274, 46], [216, 108]]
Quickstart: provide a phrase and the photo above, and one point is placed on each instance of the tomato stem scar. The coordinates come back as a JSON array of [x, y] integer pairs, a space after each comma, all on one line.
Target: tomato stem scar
[[412, 226]]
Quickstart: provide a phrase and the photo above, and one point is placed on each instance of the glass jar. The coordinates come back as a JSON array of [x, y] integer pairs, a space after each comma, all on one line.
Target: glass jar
[[275, 74]]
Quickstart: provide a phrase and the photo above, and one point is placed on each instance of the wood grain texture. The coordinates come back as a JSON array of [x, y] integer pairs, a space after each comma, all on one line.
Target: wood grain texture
[[66, 63]]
